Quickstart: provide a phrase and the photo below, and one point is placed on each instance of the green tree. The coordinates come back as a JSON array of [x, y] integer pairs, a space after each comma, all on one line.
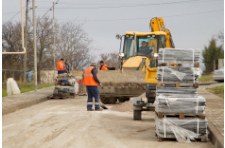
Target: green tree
[[211, 54]]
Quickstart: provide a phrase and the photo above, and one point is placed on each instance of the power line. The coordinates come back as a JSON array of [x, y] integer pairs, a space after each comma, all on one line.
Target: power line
[[142, 18], [17, 12], [76, 3], [20, 11], [136, 5], [47, 11], [14, 16], [9, 12]]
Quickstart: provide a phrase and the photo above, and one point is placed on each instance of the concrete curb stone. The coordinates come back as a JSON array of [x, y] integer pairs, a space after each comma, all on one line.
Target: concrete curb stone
[[207, 83], [215, 137]]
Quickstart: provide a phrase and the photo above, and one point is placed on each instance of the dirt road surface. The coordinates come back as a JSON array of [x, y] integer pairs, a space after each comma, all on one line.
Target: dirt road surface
[[66, 123]]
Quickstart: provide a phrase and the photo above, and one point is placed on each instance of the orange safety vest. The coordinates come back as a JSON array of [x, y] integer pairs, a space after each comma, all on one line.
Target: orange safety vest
[[60, 66], [104, 67], [88, 77]]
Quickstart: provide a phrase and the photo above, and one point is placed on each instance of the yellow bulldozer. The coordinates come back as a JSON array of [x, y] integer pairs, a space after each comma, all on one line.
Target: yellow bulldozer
[[136, 71]]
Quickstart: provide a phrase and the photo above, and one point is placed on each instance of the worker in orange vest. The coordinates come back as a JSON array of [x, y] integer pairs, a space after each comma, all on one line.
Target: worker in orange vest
[[103, 66], [91, 82], [61, 67]]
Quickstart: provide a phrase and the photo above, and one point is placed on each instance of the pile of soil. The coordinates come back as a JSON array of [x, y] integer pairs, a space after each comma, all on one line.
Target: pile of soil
[[122, 107]]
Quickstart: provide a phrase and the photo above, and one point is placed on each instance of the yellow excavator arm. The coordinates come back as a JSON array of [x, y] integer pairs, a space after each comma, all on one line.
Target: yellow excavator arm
[[157, 24]]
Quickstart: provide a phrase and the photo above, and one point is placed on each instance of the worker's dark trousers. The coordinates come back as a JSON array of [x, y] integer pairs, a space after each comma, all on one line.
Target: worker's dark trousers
[[93, 92], [62, 71]]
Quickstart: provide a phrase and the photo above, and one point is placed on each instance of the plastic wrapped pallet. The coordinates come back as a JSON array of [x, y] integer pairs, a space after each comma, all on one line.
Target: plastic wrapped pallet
[[176, 74], [183, 130], [198, 72], [180, 103], [173, 55], [176, 90]]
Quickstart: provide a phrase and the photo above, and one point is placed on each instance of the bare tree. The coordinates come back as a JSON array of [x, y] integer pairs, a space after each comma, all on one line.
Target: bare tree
[[74, 45], [11, 42], [44, 46], [111, 59]]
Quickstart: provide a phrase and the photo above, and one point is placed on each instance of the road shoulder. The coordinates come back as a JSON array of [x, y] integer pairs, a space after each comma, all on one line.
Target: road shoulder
[[16, 102]]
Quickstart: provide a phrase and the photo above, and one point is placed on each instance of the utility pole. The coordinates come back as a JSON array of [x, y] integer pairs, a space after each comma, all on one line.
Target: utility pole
[[54, 39], [35, 48], [25, 55]]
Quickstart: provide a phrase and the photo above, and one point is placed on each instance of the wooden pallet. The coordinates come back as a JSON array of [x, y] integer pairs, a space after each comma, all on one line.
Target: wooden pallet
[[203, 138], [176, 84], [180, 115], [175, 64]]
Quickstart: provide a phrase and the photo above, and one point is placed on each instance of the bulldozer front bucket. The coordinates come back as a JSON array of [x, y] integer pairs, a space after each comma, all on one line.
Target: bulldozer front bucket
[[125, 83]]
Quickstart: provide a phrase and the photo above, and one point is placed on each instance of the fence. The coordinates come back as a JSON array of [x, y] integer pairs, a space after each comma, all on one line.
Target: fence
[[46, 75], [16, 74]]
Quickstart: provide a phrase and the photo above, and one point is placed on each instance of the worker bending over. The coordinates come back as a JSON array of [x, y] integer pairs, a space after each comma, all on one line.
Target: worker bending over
[[61, 67], [91, 82], [68, 67], [103, 66]]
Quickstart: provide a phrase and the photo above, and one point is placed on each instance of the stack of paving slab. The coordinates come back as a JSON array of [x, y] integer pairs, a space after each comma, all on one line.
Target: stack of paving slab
[[180, 111]]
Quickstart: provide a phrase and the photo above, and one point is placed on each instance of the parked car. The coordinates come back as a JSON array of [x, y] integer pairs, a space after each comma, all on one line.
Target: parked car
[[218, 75]]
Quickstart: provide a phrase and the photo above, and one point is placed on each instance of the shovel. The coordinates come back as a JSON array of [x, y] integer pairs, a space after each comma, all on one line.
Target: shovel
[[100, 104]]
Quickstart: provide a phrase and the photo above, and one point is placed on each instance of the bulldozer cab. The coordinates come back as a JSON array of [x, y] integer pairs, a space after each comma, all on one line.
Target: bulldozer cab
[[143, 44]]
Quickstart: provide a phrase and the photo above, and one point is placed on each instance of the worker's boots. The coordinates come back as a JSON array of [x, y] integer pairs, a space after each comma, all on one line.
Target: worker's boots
[[100, 109]]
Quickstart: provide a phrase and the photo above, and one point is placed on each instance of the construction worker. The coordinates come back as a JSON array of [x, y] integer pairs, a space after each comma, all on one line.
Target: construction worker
[[144, 49], [67, 66], [61, 66], [91, 82], [103, 66]]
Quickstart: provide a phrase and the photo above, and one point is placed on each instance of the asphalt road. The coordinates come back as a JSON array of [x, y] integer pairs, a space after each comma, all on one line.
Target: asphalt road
[[66, 123]]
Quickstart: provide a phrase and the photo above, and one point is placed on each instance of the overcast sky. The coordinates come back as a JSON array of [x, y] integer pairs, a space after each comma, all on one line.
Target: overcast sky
[[192, 23]]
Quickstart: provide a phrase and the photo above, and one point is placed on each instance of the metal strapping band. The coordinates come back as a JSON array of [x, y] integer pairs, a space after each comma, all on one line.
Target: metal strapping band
[[193, 64], [162, 75], [197, 126], [164, 126], [197, 105], [163, 67]]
